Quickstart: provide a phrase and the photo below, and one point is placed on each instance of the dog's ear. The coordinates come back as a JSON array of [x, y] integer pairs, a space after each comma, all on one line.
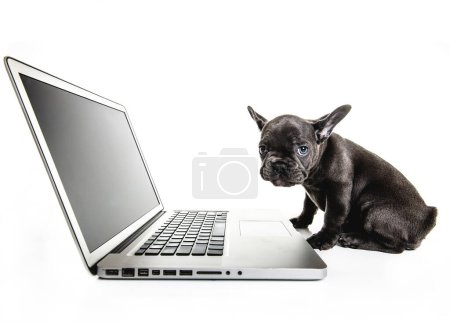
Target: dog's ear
[[259, 119], [324, 126]]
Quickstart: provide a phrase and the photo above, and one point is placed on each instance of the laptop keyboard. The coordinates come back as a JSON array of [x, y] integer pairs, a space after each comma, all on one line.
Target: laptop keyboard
[[185, 233]]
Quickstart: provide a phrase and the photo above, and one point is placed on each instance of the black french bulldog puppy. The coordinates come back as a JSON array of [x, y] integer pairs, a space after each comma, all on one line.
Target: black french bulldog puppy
[[368, 203]]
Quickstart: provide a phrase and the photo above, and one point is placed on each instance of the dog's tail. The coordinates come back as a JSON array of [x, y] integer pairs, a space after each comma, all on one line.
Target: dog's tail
[[428, 224], [430, 221]]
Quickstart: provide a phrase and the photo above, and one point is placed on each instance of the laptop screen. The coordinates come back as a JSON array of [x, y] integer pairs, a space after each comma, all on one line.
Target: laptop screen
[[97, 159]]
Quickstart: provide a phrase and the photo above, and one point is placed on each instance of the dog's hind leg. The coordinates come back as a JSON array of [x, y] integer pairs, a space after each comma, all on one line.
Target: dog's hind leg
[[361, 240], [389, 228]]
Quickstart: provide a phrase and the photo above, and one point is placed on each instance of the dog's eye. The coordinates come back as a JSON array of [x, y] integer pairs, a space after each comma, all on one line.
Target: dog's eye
[[302, 150], [262, 149]]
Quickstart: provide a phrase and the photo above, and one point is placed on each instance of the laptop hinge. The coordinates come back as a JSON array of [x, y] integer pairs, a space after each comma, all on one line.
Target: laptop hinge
[[121, 247]]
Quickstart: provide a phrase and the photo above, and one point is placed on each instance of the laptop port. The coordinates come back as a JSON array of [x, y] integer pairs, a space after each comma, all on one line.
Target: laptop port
[[185, 272], [169, 272], [207, 272], [156, 272], [112, 272], [127, 272], [142, 272]]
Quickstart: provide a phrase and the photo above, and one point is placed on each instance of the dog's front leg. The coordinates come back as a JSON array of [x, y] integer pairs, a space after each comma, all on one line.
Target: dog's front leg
[[337, 209], [307, 215]]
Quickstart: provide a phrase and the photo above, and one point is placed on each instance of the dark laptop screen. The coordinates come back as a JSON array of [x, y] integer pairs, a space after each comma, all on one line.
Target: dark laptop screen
[[97, 160]]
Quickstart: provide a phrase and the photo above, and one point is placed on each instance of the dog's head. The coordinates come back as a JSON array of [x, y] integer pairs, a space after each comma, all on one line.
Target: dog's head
[[290, 146]]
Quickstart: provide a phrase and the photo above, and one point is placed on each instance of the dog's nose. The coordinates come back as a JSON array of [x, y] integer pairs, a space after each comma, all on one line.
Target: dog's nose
[[279, 168]]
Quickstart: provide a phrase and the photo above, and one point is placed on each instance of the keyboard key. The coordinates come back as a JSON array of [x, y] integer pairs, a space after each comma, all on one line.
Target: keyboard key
[[168, 251], [187, 243], [215, 247], [140, 252], [216, 238], [215, 252], [152, 252], [184, 250], [199, 250], [219, 229]]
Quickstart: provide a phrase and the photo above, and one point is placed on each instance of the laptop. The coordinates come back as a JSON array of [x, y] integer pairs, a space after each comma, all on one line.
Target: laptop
[[113, 208]]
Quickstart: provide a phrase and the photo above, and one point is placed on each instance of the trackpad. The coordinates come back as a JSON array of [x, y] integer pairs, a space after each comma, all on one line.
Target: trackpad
[[263, 229]]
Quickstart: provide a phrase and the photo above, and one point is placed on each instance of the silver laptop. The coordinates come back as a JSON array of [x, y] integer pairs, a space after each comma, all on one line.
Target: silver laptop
[[114, 211]]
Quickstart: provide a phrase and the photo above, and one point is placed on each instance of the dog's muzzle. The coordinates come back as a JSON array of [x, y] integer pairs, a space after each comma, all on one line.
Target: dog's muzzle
[[282, 172]]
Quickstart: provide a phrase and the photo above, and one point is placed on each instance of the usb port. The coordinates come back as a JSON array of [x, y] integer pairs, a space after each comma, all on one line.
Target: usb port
[[185, 272], [156, 272], [127, 272], [112, 272], [169, 272], [142, 272]]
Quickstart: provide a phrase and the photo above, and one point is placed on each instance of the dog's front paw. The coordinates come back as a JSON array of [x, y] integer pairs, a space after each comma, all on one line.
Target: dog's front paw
[[322, 240], [300, 222]]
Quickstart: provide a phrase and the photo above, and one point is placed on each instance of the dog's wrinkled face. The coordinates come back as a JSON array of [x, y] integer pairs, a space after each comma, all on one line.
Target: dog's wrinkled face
[[288, 149], [290, 146]]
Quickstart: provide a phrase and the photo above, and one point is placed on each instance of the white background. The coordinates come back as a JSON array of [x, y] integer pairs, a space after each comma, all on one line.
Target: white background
[[186, 72]]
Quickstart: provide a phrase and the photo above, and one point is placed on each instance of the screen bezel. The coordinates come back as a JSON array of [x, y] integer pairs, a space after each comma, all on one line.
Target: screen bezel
[[15, 68]]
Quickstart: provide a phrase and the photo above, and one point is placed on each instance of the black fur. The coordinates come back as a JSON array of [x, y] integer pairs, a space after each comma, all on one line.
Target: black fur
[[368, 203]]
